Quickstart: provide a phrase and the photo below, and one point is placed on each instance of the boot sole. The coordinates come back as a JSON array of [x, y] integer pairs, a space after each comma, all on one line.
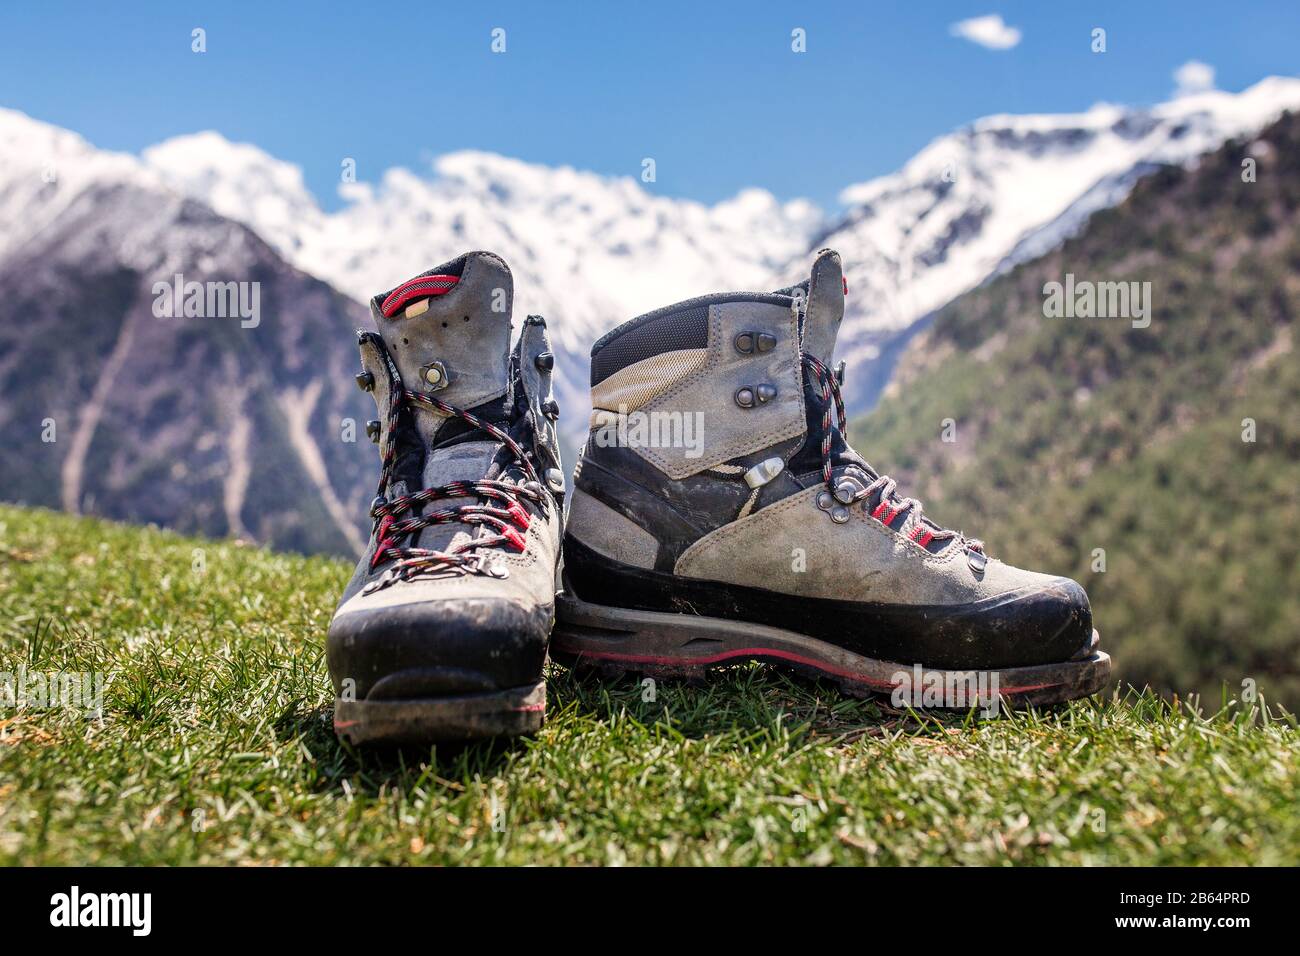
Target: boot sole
[[616, 641], [505, 713]]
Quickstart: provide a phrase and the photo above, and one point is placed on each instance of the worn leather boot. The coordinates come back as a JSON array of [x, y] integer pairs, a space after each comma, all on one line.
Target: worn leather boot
[[719, 515], [442, 632]]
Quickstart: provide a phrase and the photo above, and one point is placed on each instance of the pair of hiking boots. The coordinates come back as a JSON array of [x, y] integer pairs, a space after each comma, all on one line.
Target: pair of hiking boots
[[717, 515]]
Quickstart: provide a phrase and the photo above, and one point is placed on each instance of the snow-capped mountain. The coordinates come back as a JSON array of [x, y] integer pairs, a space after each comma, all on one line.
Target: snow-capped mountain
[[110, 404], [44, 169], [587, 251], [591, 251], [1006, 189], [210, 427]]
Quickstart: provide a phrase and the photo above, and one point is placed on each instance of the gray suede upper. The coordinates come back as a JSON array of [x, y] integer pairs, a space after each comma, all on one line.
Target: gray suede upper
[[825, 306], [728, 429], [531, 582], [788, 544], [794, 547], [467, 329]]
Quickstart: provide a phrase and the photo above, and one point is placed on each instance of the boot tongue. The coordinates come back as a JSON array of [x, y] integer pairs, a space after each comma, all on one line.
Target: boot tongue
[[448, 332], [825, 306]]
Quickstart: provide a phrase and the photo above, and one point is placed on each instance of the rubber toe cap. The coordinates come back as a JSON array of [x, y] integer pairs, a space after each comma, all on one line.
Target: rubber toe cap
[[1047, 625], [438, 648]]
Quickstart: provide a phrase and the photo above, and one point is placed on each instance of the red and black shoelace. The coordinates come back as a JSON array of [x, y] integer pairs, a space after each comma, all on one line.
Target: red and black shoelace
[[498, 504]]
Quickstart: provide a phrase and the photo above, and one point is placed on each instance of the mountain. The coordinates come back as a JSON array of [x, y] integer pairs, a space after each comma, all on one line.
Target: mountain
[[1000, 191], [587, 251], [208, 426], [225, 425], [1157, 463], [591, 251]]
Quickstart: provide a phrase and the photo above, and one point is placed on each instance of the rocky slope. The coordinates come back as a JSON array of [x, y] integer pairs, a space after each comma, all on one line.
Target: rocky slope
[[226, 425]]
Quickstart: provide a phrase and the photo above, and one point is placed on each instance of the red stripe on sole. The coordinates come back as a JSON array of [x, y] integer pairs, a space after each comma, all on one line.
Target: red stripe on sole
[[749, 652]]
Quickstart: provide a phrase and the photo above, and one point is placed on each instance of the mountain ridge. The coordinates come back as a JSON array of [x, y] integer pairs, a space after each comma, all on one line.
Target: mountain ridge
[[588, 251], [592, 251], [209, 423]]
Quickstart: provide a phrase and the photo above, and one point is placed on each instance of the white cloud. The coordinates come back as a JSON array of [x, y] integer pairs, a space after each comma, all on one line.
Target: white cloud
[[988, 31], [1193, 77]]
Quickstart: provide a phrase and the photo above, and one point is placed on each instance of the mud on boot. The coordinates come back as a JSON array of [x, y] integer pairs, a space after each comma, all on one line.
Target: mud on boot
[[767, 537], [442, 632]]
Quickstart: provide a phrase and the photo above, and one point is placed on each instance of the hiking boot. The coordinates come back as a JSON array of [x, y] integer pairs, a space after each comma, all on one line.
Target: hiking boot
[[441, 633], [719, 515]]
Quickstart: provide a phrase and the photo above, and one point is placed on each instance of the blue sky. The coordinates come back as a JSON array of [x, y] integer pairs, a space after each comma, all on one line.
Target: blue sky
[[712, 91]]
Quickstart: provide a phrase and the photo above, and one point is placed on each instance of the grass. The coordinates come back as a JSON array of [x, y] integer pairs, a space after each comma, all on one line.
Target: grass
[[215, 747]]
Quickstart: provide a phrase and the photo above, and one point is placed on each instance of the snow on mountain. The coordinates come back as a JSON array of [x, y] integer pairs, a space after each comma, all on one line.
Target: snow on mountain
[[48, 174], [43, 169], [240, 182], [1009, 188], [588, 251]]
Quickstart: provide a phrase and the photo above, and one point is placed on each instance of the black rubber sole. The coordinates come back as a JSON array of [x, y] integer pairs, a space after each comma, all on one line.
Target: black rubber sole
[[505, 713], [616, 641], [1039, 624]]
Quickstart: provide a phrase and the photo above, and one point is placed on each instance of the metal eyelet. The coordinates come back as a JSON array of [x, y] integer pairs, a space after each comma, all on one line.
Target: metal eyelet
[[489, 565], [846, 489], [750, 342], [435, 376]]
